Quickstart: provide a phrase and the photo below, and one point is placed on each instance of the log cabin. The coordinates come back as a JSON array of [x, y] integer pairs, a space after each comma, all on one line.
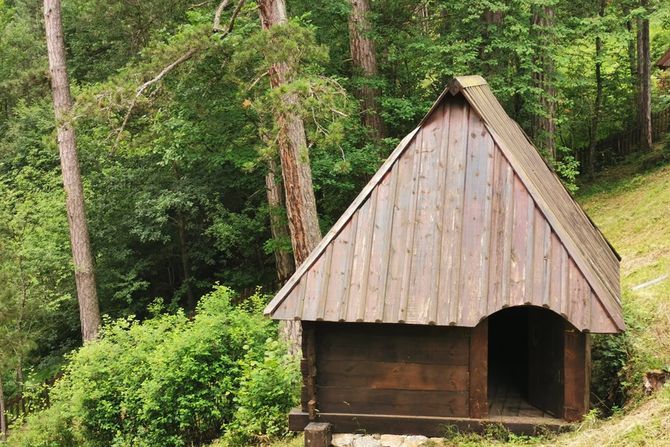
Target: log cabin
[[460, 288]]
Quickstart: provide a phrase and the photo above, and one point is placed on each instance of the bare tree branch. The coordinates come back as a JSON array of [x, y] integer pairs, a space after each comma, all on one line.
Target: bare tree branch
[[231, 23], [217, 16], [186, 56]]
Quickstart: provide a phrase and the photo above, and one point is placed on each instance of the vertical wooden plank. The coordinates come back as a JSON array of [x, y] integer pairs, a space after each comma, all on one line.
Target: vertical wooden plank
[[443, 172], [450, 251], [427, 215], [476, 223], [367, 250], [508, 235], [577, 372], [363, 237], [530, 253], [398, 252], [541, 260], [314, 288], [325, 280], [478, 387], [409, 239], [339, 273], [497, 229], [309, 372], [555, 274], [378, 259], [346, 293], [565, 281], [519, 247]]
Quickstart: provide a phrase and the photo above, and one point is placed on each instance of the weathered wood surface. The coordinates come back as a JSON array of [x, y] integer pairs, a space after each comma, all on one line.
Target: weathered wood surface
[[478, 386], [455, 227], [318, 434], [391, 369], [309, 369], [577, 374], [425, 425]]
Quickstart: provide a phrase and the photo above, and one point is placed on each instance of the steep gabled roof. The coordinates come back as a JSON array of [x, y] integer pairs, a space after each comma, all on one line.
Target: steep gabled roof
[[463, 219], [664, 61]]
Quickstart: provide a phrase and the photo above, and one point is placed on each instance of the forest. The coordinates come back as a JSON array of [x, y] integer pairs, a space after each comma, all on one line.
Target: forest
[[166, 165]]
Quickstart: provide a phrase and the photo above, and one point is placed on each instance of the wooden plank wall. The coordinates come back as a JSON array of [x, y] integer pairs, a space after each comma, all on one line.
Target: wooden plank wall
[[449, 236], [392, 369]]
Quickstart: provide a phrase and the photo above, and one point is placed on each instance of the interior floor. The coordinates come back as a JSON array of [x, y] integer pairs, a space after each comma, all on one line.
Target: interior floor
[[505, 399], [509, 364]]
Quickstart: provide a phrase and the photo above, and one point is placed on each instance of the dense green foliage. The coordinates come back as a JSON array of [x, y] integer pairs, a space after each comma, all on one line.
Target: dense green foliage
[[174, 176], [172, 381]]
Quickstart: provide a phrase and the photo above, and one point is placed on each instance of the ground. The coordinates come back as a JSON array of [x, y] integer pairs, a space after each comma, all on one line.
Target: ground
[[631, 205]]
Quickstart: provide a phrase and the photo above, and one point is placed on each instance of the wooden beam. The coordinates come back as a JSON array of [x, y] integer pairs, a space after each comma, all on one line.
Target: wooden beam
[[577, 373], [479, 353], [424, 425], [308, 367]]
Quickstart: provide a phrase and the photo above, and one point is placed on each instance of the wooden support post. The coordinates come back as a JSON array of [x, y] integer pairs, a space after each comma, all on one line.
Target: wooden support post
[[479, 355], [318, 434], [577, 374], [309, 402]]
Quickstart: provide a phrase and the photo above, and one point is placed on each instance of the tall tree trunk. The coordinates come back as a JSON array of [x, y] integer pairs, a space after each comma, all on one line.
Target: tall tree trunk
[[644, 80], [3, 413], [296, 171], [89, 310], [20, 382], [595, 122], [544, 125], [364, 58], [278, 226], [185, 263]]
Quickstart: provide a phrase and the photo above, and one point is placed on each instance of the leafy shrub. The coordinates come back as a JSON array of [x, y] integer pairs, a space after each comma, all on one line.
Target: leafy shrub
[[171, 381]]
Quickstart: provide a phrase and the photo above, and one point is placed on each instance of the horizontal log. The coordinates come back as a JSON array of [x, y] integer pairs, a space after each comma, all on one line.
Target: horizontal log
[[390, 343], [392, 375], [365, 400], [422, 425]]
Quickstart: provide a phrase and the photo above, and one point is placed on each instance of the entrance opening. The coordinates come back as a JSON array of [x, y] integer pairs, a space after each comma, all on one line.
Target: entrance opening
[[525, 363]]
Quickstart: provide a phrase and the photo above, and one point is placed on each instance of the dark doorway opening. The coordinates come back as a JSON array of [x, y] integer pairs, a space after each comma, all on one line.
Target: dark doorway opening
[[525, 363]]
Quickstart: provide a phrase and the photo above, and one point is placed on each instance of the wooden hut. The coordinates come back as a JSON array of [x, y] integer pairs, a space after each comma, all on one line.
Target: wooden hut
[[459, 287]]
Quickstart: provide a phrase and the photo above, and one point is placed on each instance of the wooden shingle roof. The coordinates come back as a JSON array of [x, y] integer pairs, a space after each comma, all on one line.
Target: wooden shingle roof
[[463, 219]]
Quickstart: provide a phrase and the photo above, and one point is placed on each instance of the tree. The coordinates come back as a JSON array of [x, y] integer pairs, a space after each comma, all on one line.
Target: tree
[[278, 226], [295, 166], [89, 310], [597, 106], [296, 170], [3, 416], [544, 120], [364, 59], [644, 78]]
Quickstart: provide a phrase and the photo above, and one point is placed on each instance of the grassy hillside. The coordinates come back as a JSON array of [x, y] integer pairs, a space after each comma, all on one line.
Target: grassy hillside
[[633, 210]]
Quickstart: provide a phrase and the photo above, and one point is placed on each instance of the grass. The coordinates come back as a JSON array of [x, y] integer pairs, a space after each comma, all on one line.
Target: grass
[[631, 206]]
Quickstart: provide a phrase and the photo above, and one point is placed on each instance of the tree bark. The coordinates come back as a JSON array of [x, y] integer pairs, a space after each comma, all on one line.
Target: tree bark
[[278, 227], [296, 171], [595, 122], [185, 263], [364, 58], [644, 80], [3, 414], [544, 122], [89, 311]]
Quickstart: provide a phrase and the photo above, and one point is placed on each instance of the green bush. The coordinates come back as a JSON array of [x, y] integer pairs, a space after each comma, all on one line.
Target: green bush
[[171, 381]]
